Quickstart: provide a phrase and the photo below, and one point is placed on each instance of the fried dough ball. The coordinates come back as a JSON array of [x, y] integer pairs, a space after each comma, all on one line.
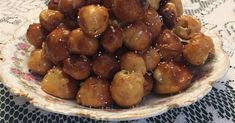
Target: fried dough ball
[[93, 19], [55, 46], [137, 36], [171, 78], [133, 62], [169, 15], [154, 4], [148, 84], [53, 4], [38, 62], [50, 19], [187, 26], [105, 66], [169, 46], [153, 21], [94, 92], [127, 88], [151, 58], [129, 10], [198, 49], [112, 39], [80, 43], [59, 84], [77, 67], [36, 35]]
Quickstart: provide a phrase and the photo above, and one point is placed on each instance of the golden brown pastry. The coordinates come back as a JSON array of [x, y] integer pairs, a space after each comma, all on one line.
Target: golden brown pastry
[[137, 37], [112, 39], [198, 49], [169, 46], [55, 46], [151, 58], [50, 19], [94, 92], [80, 43], [171, 78], [187, 26], [133, 62], [129, 10], [77, 67], [153, 21], [93, 19], [127, 88], [59, 84], [105, 66], [36, 35], [38, 62]]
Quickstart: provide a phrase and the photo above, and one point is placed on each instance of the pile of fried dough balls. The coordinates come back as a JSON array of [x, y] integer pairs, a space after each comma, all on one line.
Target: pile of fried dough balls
[[115, 52]]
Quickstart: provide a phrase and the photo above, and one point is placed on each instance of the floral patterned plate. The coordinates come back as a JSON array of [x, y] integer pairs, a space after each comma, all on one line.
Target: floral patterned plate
[[15, 75]]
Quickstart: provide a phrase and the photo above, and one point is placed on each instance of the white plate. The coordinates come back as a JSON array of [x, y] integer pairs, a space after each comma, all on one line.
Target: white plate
[[14, 74]]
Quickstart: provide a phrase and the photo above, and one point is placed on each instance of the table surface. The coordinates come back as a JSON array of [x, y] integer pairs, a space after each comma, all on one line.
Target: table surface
[[218, 106]]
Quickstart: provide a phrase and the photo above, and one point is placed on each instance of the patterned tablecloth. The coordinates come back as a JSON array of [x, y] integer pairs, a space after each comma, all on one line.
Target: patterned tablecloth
[[218, 106]]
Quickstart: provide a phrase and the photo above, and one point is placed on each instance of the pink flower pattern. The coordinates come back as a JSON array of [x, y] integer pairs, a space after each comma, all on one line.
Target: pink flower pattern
[[22, 49], [22, 46], [28, 77], [15, 71]]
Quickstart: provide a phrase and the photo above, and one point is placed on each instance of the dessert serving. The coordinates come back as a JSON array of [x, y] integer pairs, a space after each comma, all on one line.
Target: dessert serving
[[112, 59], [116, 52]]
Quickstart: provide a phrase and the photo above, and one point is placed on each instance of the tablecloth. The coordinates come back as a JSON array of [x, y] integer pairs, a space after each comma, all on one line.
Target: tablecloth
[[218, 106]]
